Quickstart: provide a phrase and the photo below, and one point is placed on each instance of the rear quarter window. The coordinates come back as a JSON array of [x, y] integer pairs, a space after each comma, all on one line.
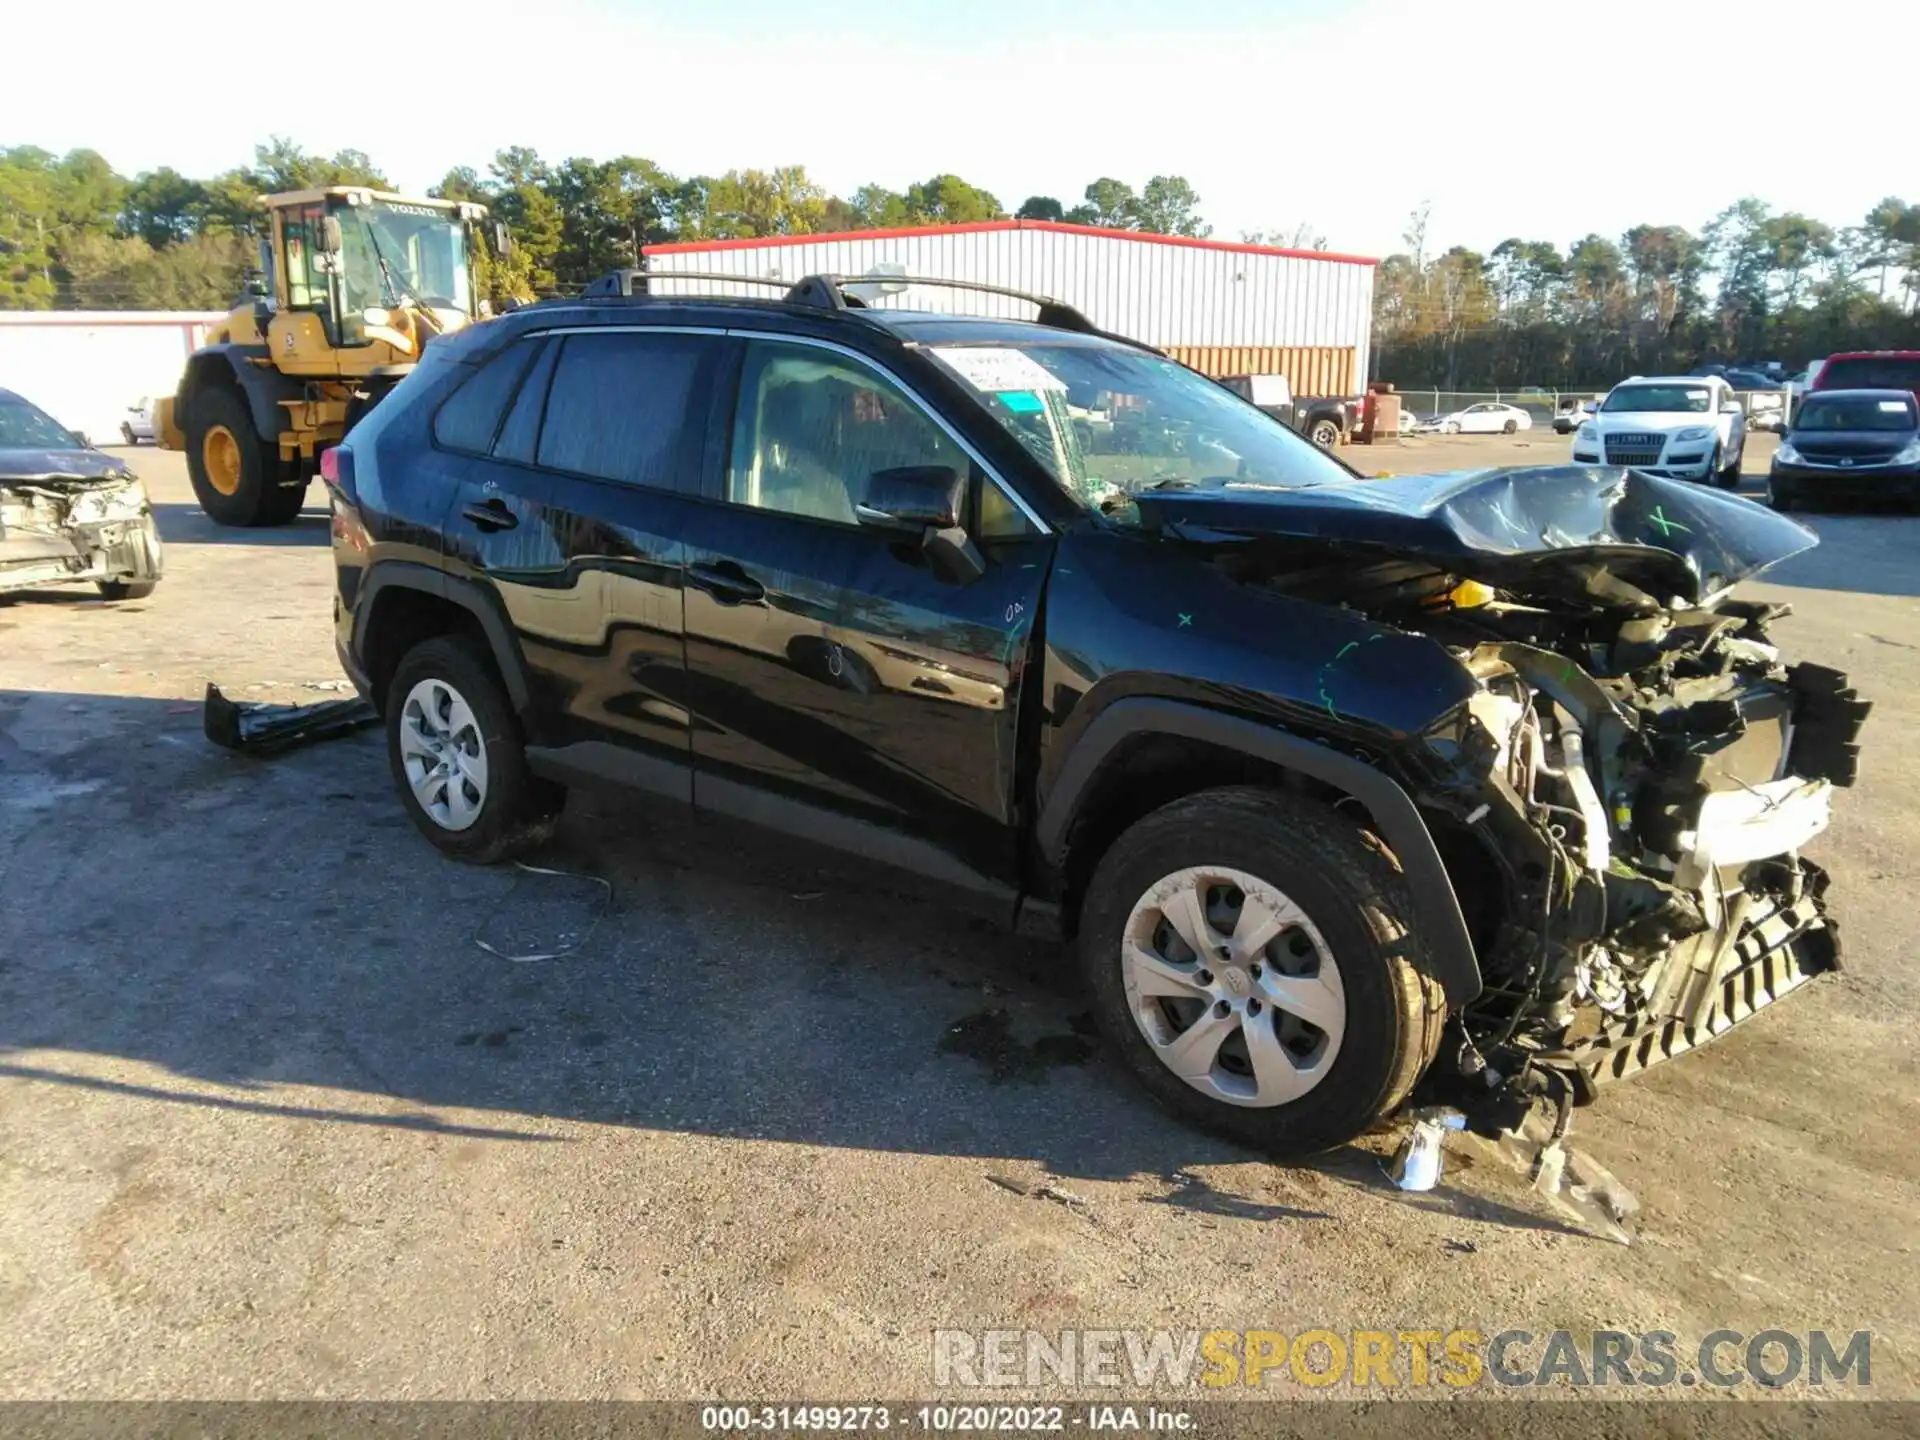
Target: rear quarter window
[[521, 432], [469, 418]]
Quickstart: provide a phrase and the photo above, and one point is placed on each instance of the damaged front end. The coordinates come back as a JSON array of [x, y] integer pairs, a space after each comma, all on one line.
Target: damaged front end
[[1641, 788], [1622, 800], [77, 523]]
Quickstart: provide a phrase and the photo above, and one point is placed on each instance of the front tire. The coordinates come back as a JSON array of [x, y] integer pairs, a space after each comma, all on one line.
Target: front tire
[[126, 589], [1254, 960], [458, 758], [237, 477], [1511, 427]]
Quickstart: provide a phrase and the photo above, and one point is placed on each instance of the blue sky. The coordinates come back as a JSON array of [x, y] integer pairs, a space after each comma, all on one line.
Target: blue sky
[[1544, 121]]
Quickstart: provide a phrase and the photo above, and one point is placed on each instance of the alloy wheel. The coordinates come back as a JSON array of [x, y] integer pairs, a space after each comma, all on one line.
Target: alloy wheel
[[1233, 986], [444, 755]]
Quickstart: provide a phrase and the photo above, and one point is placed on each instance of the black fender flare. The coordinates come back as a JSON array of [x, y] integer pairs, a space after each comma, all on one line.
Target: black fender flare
[[1436, 905], [409, 575], [262, 387]]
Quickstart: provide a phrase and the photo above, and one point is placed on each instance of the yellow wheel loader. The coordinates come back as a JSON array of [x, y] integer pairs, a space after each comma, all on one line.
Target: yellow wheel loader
[[354, 283]]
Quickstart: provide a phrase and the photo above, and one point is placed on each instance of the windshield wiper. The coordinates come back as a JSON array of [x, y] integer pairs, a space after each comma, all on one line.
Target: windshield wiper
[[398, 286]]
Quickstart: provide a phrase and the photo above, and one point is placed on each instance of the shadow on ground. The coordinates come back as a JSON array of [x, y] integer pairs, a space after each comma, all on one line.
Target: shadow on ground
[[188, 524], [256, 923], [265, 925]]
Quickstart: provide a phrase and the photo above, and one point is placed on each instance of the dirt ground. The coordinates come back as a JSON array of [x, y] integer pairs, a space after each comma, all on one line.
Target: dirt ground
[[272, 1124]]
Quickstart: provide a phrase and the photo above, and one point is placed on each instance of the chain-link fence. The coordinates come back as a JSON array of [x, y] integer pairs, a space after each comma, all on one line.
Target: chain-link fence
[[1765, 409], [1541, 405]]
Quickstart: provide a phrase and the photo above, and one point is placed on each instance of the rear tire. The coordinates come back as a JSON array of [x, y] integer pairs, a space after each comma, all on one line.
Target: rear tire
[[447, 712], [126, 589], [1353, 957], [1729, 477], [1324, 433], [237, 477]]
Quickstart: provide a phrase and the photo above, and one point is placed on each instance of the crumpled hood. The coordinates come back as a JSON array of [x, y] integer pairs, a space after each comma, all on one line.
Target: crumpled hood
[[1594, 533], [62, 465]]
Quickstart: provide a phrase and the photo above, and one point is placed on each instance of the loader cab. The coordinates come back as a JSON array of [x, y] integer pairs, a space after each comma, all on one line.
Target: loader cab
[[364, 279]]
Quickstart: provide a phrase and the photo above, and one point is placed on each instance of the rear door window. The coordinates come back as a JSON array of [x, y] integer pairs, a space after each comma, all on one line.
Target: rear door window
[[470, 416], [630, 406]]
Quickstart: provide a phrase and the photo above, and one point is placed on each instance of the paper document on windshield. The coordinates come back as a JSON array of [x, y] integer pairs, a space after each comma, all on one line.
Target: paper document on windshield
[[996, 371]]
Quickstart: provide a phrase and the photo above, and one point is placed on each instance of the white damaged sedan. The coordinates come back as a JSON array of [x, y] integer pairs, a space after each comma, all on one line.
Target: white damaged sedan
[[70, 514]]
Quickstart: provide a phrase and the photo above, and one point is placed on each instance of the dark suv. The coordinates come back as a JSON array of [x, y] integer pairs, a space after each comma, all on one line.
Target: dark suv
[[1474, 782]]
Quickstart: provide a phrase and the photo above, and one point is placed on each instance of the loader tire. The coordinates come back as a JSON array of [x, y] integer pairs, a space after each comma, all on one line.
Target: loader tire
[[237, 477]]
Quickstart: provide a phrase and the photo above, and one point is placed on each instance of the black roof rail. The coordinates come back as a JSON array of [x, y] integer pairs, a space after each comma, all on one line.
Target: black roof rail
[[833, 292], [632, 282], [1054, 314]]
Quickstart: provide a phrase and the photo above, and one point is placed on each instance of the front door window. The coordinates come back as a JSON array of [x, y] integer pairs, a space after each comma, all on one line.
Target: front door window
[[812, 427]]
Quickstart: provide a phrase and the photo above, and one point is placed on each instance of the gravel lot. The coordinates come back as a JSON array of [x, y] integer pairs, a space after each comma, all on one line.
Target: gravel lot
[[273, 1125]]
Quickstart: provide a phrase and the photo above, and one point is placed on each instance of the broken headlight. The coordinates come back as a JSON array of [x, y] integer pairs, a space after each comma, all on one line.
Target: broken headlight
[[97, 506]]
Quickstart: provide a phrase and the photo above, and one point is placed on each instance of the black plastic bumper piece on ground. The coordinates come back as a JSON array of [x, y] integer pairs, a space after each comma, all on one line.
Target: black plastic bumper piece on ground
[[262, 729]]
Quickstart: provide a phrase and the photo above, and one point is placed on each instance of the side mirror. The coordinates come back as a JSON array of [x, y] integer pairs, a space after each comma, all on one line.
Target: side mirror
[[913, 497], [257, 284], [502, 241], [331, 240], [926, 498]]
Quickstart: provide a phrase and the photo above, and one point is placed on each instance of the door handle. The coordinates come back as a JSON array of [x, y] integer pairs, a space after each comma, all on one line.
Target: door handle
[[491, 515], [727, 583]]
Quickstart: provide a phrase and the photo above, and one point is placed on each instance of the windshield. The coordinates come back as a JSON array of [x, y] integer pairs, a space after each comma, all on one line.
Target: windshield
[[1648, 399], [24, 428], [1855, 413], [425, 255], [1872, 372], [1109, 422]]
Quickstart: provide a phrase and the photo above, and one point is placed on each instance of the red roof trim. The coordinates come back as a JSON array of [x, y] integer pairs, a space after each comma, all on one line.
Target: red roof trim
[[767, 242]]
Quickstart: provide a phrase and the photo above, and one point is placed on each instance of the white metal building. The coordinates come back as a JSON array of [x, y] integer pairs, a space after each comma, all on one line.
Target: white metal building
[[1222, 308], [85, 367]]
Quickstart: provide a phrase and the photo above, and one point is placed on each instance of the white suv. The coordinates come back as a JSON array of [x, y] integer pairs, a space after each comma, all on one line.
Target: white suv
[[1686, 427]]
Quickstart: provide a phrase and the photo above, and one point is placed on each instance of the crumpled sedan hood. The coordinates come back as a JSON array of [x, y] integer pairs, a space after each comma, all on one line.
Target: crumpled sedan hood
[[62, 465], [1619, 537]]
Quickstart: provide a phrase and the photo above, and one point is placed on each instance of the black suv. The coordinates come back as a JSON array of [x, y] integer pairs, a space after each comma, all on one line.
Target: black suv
[[1342, 787]]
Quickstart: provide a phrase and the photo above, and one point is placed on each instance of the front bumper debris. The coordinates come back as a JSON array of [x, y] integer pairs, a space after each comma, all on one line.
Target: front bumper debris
[[263, 729], [1780, 947]]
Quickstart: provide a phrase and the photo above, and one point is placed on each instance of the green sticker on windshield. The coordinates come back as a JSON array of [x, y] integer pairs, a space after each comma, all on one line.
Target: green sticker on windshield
[[1022, 402]]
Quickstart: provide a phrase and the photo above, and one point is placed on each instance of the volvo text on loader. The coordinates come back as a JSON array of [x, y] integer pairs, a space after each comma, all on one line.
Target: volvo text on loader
[[356, 283]]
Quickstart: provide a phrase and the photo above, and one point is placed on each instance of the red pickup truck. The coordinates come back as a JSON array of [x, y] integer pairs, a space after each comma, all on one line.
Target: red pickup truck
[[1870, 370]]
